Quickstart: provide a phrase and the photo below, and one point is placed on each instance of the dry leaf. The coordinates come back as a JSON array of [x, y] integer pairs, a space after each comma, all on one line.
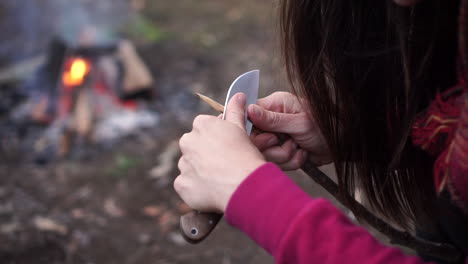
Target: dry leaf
[[47, 224], [152, 210], [177, 238], [166, 161], [166, 221], [112, 209], [78, 213]]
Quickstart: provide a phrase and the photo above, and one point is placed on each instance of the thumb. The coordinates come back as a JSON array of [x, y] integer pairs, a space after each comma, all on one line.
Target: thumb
[[271, 121], [236, 110]]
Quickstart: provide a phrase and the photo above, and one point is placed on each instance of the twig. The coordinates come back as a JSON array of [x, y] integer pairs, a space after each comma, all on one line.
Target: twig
[[443, 251]]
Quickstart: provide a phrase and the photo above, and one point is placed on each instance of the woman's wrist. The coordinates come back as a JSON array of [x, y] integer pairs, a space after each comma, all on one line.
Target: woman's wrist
[[243, 172]]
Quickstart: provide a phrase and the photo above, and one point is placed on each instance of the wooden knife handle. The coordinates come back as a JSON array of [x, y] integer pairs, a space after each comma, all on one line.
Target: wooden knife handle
[[196, 226]]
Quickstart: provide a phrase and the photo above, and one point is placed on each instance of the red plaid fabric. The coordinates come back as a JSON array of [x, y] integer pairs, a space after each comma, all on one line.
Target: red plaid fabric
[[442, 130]]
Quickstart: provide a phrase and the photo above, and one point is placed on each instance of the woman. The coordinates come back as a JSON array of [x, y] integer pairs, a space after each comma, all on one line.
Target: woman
[[364, 74]]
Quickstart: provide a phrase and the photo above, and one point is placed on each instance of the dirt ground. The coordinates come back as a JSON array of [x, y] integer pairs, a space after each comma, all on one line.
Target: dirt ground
[[114, 207]]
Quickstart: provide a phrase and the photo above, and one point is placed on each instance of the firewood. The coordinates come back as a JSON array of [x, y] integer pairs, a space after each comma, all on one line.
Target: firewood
[[137, 75], [83, 114]]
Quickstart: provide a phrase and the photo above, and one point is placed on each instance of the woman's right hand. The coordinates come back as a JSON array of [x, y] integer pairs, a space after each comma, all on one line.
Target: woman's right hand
[[284, 113]]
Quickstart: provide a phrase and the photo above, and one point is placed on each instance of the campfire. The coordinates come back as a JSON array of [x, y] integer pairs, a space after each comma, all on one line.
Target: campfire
[[90, 94]]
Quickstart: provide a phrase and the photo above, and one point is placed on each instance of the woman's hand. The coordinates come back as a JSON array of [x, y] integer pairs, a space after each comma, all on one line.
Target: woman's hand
[[217, 155], [282, 112]]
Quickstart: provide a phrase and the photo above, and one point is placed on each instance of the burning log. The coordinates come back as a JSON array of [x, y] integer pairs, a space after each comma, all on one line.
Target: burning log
[[83, 116]]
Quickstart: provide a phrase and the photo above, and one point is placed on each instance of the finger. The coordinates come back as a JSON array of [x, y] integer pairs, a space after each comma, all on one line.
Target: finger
[[274, 101], [183, 142], [274, 121], [296, 161], [179, 185], [236, 110], [264, 141], [182, 187], [182, 164], [281, 154]]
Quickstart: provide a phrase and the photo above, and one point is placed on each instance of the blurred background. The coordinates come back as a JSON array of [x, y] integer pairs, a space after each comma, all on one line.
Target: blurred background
[[94, 95]]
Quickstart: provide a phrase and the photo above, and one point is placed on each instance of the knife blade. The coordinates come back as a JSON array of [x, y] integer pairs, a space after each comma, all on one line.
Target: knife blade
[[248, 84], [195, 226]]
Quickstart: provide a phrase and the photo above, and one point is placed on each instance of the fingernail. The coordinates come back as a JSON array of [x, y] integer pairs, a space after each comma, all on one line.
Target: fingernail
[[240, 98], [255, 110]]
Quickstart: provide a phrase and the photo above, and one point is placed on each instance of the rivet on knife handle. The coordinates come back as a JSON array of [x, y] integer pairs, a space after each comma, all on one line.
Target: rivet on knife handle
[[196, 226]]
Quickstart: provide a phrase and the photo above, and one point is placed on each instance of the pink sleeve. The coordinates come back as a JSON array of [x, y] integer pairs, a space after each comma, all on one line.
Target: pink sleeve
[[295, 228]]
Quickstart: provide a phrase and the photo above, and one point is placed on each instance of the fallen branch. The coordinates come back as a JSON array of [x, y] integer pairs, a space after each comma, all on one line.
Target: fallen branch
[[443, 251]]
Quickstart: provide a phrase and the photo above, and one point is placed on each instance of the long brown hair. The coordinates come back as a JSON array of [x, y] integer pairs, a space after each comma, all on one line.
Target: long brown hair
[[367, 67]]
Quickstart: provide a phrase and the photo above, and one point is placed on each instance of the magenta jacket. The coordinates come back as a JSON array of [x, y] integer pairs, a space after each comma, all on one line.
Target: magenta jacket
[[295, 228]]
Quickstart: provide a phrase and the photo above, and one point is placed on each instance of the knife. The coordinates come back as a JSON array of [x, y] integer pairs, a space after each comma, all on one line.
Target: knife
[[196, 226]]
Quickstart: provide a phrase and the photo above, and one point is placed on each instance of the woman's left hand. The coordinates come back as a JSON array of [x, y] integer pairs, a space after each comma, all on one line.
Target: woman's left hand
[[217, 155]]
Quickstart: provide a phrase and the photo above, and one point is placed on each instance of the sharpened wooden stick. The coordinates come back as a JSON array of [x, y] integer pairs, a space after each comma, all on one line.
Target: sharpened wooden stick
[[215, 105], [220, 108]]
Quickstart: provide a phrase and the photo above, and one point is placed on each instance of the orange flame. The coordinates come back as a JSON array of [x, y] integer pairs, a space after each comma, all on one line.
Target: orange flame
[[77, 72]]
